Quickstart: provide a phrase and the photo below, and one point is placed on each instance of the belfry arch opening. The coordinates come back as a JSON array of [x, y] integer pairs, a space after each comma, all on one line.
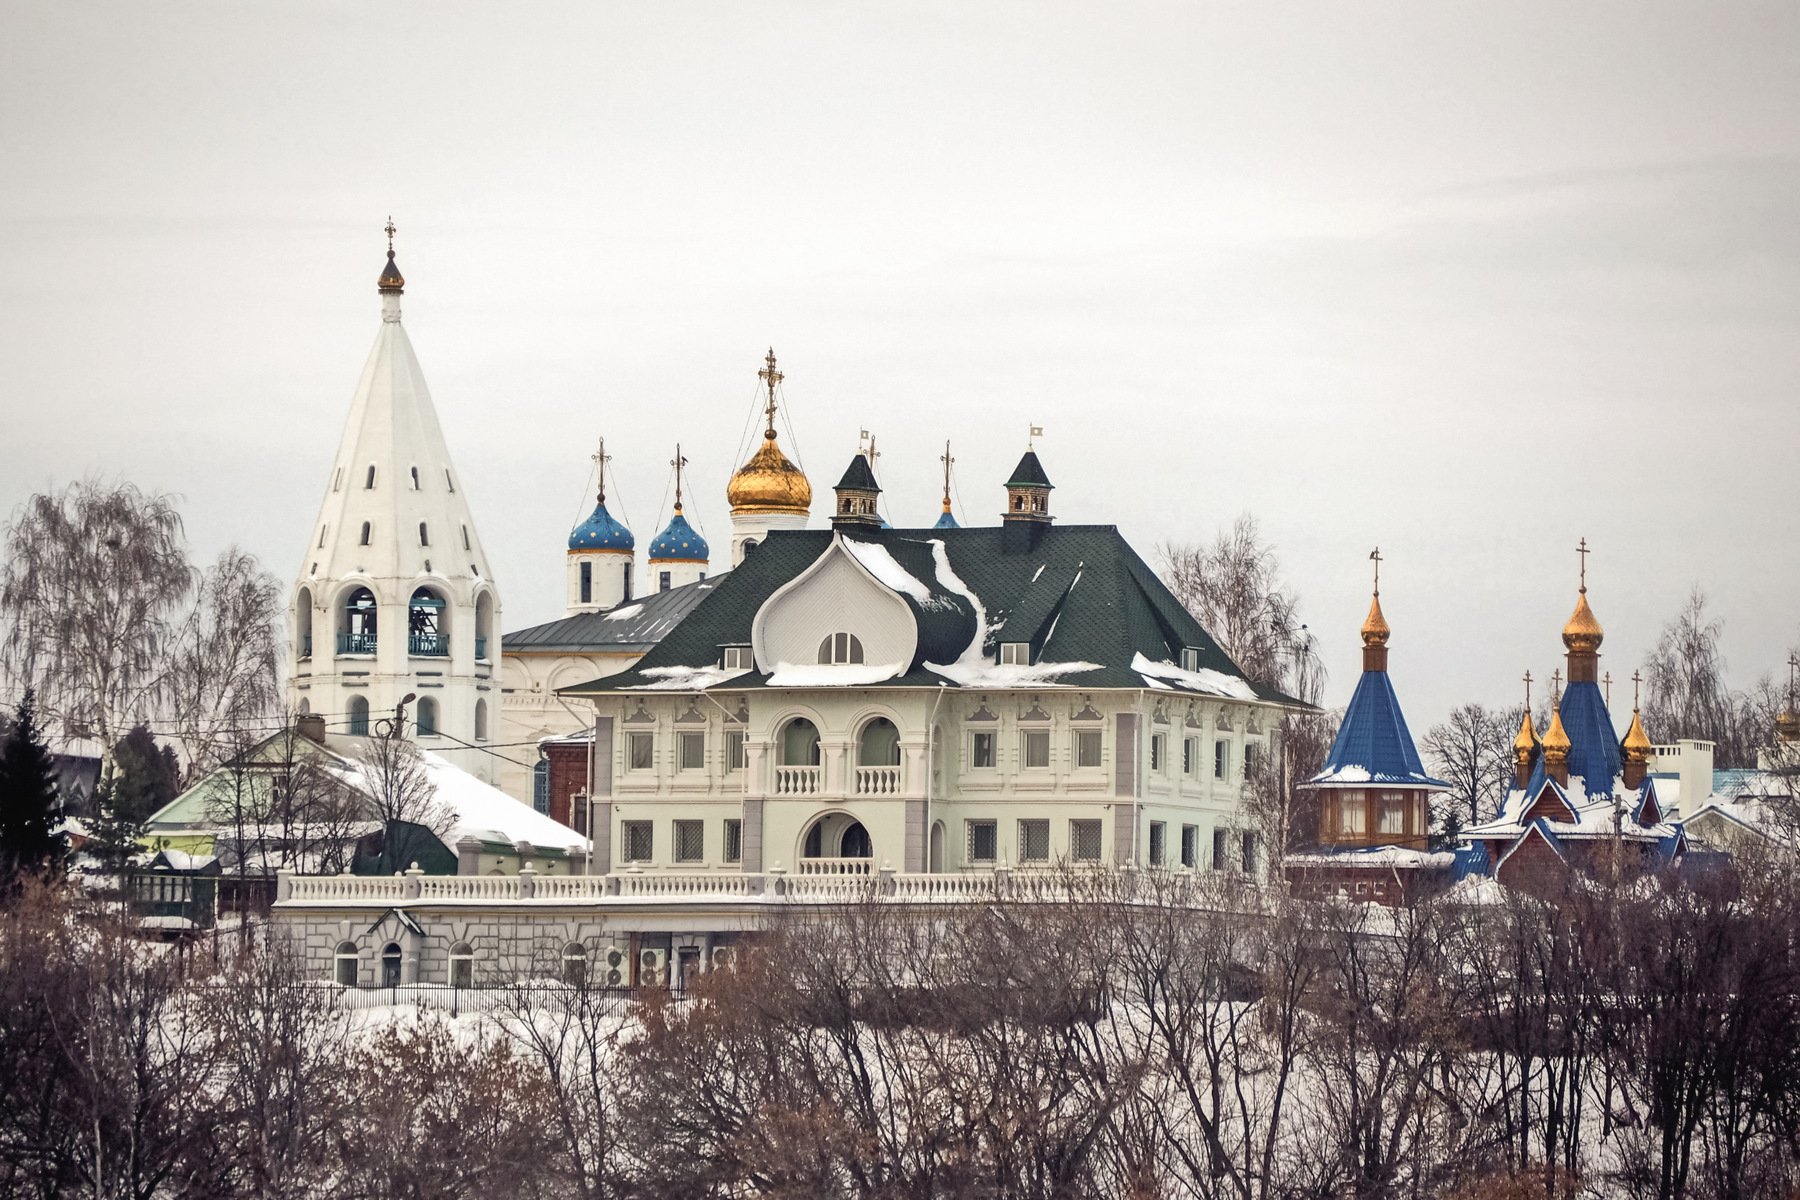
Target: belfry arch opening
[[427, 630], [357, 622]]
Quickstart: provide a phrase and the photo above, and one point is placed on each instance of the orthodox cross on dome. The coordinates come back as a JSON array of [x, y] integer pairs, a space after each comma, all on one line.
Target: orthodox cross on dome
[[947, 461], [1528, 693], [1375, 557], [1556, 686], [1606, 682], [601, 458], [678, 462], [1583, 550], [770, 376], [390, 231], [1793, 665], [1637, 679]]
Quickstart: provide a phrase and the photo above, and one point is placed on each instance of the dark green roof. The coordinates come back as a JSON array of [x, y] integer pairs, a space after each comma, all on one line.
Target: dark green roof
[[1080, 595], [632, 627], [1029, 473], [858, 477]]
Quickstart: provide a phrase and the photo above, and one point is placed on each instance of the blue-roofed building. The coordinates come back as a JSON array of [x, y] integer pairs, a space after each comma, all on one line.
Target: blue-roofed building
[[1582, 799], [1374, 796]]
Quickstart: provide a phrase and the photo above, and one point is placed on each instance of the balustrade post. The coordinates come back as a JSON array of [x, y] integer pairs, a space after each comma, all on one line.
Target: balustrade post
[[284, 886], [413, 886], [1002, 878], [887, 877], [779, 876], [527, 882]]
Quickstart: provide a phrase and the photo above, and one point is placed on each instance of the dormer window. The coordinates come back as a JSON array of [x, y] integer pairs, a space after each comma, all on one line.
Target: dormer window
[[1015, 654], [840, 649], [1190, 659], [737, 658]]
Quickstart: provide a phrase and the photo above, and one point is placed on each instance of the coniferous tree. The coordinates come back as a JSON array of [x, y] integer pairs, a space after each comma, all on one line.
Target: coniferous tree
[[29, 809], [145, 777]]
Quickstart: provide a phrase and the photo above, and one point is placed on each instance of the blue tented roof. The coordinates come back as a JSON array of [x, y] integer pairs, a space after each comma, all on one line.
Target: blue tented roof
[[1593, 746], [1373, 744]]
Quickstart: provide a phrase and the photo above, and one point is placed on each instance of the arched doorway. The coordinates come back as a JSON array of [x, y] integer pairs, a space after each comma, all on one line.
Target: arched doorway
[[836, 844], [936, 862]]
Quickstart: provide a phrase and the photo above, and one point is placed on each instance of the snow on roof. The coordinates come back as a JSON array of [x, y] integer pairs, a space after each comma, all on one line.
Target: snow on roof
[[1213, 683], [623, 613], [877, 561], [685, 679], [1377, 856], [833, 674], [484, 811], [181, 860]]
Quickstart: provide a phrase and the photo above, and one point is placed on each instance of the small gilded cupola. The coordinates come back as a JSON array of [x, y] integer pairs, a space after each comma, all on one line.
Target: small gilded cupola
[[1557, 745], [600, 553], [1375, 631], [946, 519], [391, 283], [858, 495], [1525, 745], [678, 555], [1582, 634], [768, 492]]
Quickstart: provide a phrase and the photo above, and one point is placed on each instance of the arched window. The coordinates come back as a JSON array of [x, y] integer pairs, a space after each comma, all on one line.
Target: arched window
[[424, 535], [484, 623], [462, 965], [356, 630], [390, 965], [428, 717], [449, 482], [540, 786], [878, 745], [305, 706], [425, 627], [840, 648], [574, 964], [415, 478], [749, 545], [481, 720], [366, 531], [303, 606], [359, 716], [345, 964], [466, 545], [322, 530], [800, 743], [370, 481]]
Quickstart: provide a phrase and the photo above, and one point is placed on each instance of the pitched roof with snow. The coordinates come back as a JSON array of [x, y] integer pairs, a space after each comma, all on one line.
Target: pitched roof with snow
[[629, 628], [1373, 744], [1094, 614]]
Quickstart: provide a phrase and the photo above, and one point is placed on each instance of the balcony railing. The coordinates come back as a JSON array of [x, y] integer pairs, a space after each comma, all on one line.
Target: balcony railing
[[877, 781], [428, 645], [356, 643], [796, 781], [306, 645], [480, 648], [837, 866]]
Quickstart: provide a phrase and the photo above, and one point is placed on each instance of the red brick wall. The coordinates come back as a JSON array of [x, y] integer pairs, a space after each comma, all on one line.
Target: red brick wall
[[568, 776]]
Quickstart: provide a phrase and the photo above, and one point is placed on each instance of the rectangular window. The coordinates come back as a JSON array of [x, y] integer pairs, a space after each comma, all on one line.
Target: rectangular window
[[1190, 845], [1190, 659], [1084, 841], [738, 658], [587, 583], [1157, 839], [1037, 749], [662, 580], [734, 750], [635, 843], [1221, 760], [1157, 754], [1249, 854], [1190, 755], [1015, 654], [640, 751], [690, 841], [1252, 756], [984, 841], [693, 751], [1087, 747], [981, 751], [1220, 861], [1034, 841], [1353, 814], [734, 840], [1393, 812]]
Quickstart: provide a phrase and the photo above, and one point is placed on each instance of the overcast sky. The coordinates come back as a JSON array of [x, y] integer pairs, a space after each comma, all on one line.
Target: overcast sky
[[1467, 281]]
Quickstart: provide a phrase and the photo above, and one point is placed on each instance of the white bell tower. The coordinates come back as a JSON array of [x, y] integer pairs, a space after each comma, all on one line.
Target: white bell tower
[[394, 596]]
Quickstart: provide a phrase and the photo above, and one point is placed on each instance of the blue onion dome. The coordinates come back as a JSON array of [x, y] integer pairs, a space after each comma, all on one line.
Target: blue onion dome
[[601, 532], [679, 542]]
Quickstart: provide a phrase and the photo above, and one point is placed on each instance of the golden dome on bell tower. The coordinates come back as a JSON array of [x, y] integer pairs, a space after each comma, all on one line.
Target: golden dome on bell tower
[[769, 482], [1583, 634]]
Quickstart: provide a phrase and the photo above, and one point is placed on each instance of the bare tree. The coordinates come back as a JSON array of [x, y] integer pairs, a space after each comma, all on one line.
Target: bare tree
[[91, 594], [223, 672], [402, 797], [1686, 695], [1472, 752]]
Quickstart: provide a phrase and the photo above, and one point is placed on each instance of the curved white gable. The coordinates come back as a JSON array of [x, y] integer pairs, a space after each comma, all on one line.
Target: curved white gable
[[836, 594]]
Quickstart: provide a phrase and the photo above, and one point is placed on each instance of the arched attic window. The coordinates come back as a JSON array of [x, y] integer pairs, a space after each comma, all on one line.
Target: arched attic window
[[428, 717], [841, 648]]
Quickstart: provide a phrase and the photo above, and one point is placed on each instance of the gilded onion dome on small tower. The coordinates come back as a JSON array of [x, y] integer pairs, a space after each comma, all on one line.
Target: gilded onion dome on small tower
[[1524, 746], [1375, 630], [1582, 633], [768, 492], [1637, 750], [1557, 746], [391, 283]]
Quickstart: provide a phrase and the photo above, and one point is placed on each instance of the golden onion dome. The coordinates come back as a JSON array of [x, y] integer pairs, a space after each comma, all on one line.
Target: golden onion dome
[[769, 482], [1637, 742], [1583, 635], [1556, 738], [1787, 725], [1375, 631], [1527, 739]]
